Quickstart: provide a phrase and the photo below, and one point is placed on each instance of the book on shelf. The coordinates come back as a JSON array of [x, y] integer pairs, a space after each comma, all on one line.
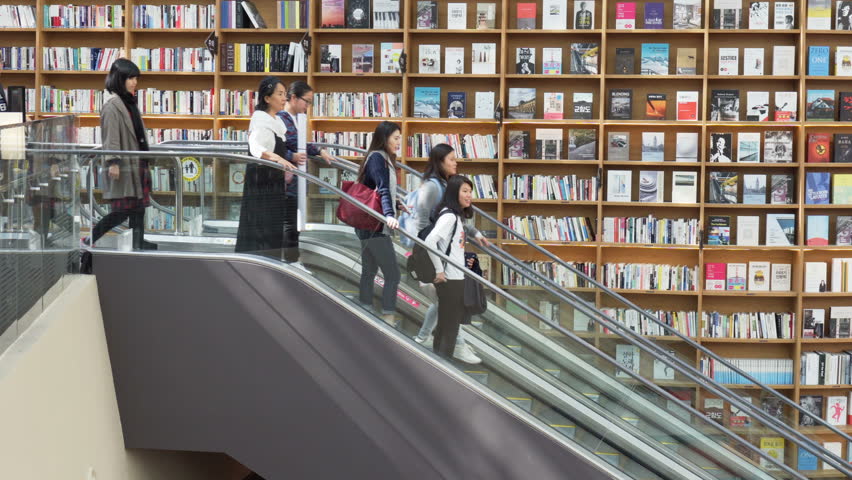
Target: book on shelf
[[758, 275], [651, 186], [584, 58], [391, 53], [427, 14], [778, 146], [785, 15], [483, 57], [812, 327], [748, 147], [818, 60], [522, 103], [780, 229], [843, 230], [844, 106], [817, 232], [624, 60], [548, 143], [819, 14], [662, 370], [358, 13], [840, 323], [687, 14], [619, 184], [456, 104], [843, 61], [427, 102], [735, 276], [430, 59], [554, 105], [518, 146], [783, 60], [729, 61], [753, 61], [815, 276], [686, 58], [714, 409], [655, 59], [526, 15], [687, 105], [362, 58], [620, 103], [723, 187], [653, 146], [835, 409], [841, 186], [684, 187], [332, 15], [386, 14], [843, 19], [486, 13], [774, 447], [714, 276], [740, 417], [820, 105], [484, 105], [328, 175], [725, 105], [819, 148], [757, 106], [554, 14], [720, 147], [654, 16], [582, 144], [583, 105], [686, 149], [719, 231], [625, 16], [817, 188], [781, 277], [456, 16], [330, 58], [584, 14], [727, 14], [454, 60], [655, 106], [786, 106], [758, 16], [525, 61], [754, 189], [748, 229], [618, 146], [781, 190], [628, 358], [551, 61]]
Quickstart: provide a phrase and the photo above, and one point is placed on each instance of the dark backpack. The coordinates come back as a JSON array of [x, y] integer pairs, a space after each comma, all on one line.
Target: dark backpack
[[419, 265]]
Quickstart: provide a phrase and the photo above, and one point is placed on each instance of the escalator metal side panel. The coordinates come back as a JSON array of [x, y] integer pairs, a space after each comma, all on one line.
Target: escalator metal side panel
[[233, 356]]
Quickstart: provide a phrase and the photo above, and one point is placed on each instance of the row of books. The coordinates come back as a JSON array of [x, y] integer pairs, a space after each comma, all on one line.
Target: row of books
[[818, 185], [772, 371], [550, 187], [582, 144], [78, 100], [241, 14], [83, 16], [174, 16], [155, 135], [814, 325], [783, 61], [163, 180], [234, 134], [293, 13], [685, 322], [819, 15], [820, 148], [818, 61], [427, 104], [650, 230], [647, 276], [619, 186], [349, 139], [177, 59], [724, 186], [17, 58], [752, 325], [836, 411], [553, 229], [557, 273], [237, 102], [159, 220], [357, 104], [466, 145], [822, 368], [816, 279], [456, 16], [762, 276], [17, 16], [363, 57], [522, 104], [156, 101], [262, 57], [81, 58], [357, 14], [483, 186]]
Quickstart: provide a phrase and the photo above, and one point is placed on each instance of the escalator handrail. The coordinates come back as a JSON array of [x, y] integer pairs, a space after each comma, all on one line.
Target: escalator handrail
[[487, 284]]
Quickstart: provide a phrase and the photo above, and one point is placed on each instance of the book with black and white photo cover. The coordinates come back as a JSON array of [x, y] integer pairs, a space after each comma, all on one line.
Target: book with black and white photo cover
[[687, 14], [456, 16], [843, 231], [618, 185], [484, 105], [583, 105], [720, 147], [748, 229], [757, 104], [554, 14], [584, 58], [525, 61], [618, 146], [548, 143], [521, 103], [358, 13], [484, 56], [385, 14], [729, 61], [624, 61], [620, 103], [686, 147], [781, 277], [486, 13], [456, 104], [727, 14], [748, 147], [783, 60], [813, 323], [628, 358], [786, 106], [554, 105], [454, 60], [781, 189], [754, 189], [327, 175], [752, 61], [815, 277], [551, 61], [584, 14], [780, 229], [430, 59], [330, 58], [518, 146], [651, 186], [663, 371], [582, 144], [811, 404], [722, 187], [725, 105], [759, 275], [785, 15], [758, 16], [778, 146], [427, 14], [684, 187], [686, 60], [843, 19], [653, 146]]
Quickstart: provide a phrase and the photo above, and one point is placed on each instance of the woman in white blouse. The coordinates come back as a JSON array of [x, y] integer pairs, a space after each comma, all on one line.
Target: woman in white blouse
[[262, 211]]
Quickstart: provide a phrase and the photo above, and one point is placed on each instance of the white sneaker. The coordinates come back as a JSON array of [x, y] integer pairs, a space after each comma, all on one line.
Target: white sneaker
[[301, 266], [428, 343], [466, 355]]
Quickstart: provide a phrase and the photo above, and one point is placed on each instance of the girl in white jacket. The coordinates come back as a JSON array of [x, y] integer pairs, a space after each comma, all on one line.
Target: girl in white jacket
[[449, 281]]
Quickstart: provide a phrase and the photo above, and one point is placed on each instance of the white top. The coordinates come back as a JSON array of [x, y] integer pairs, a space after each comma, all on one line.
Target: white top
[[438, 238], [262, 131]]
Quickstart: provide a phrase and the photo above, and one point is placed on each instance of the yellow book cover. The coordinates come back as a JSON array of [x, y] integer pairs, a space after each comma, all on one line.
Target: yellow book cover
[[266, 57], [842, 194], [774, 447]]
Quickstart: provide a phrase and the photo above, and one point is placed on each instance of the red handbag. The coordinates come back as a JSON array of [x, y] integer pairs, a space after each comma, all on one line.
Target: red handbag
[[353, 216]]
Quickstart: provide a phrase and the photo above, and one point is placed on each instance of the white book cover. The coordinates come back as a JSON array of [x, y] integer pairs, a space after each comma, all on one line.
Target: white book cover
[[484, 105], [554, 14], [729, 61], [687, 147], [687, 105], [582, 322], [483, 60], [385, 14], [843, 61], [748, 147], [454, 60], [618, 185], [758, 16], [430, 59], [684, 187], [781, 277], [736, 276], [554, 105], [835, 409], [819, 14], [783, 60], [787, 102], [651, 186], [456, 16], [785, 15], [391, 53], [551, 61], [663, 371], [653, 144], [815, 277], [236, 177], [780, 229], [584, 14], [748, 230], [752, 61], [835, 448], [758, 275], [757, 106], [628, 357]]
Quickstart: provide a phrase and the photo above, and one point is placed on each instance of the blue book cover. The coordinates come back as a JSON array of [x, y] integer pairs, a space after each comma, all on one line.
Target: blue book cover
[[655, 59], [654, 15], [818, 186], [427, 102], [456, 103], [818, 60], [807, 460]]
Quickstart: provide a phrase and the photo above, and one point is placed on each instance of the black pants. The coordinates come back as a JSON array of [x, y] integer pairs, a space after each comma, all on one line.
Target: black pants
[[113, 219], [291, 229], [450, 316], [377, 252]]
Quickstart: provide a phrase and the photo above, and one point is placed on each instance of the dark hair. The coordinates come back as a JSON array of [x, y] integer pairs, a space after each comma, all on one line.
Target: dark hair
[[379, 143], [121, 70], [266, 88], [451, 198], [436, 159], [298, 89]]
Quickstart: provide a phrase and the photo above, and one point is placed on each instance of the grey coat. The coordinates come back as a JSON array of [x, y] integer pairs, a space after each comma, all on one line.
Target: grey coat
[[117, 134]]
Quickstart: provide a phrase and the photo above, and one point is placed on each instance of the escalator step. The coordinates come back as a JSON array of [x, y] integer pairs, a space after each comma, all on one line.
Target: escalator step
[[523, 402], [567, 430], [611, 458], [479, 376]]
